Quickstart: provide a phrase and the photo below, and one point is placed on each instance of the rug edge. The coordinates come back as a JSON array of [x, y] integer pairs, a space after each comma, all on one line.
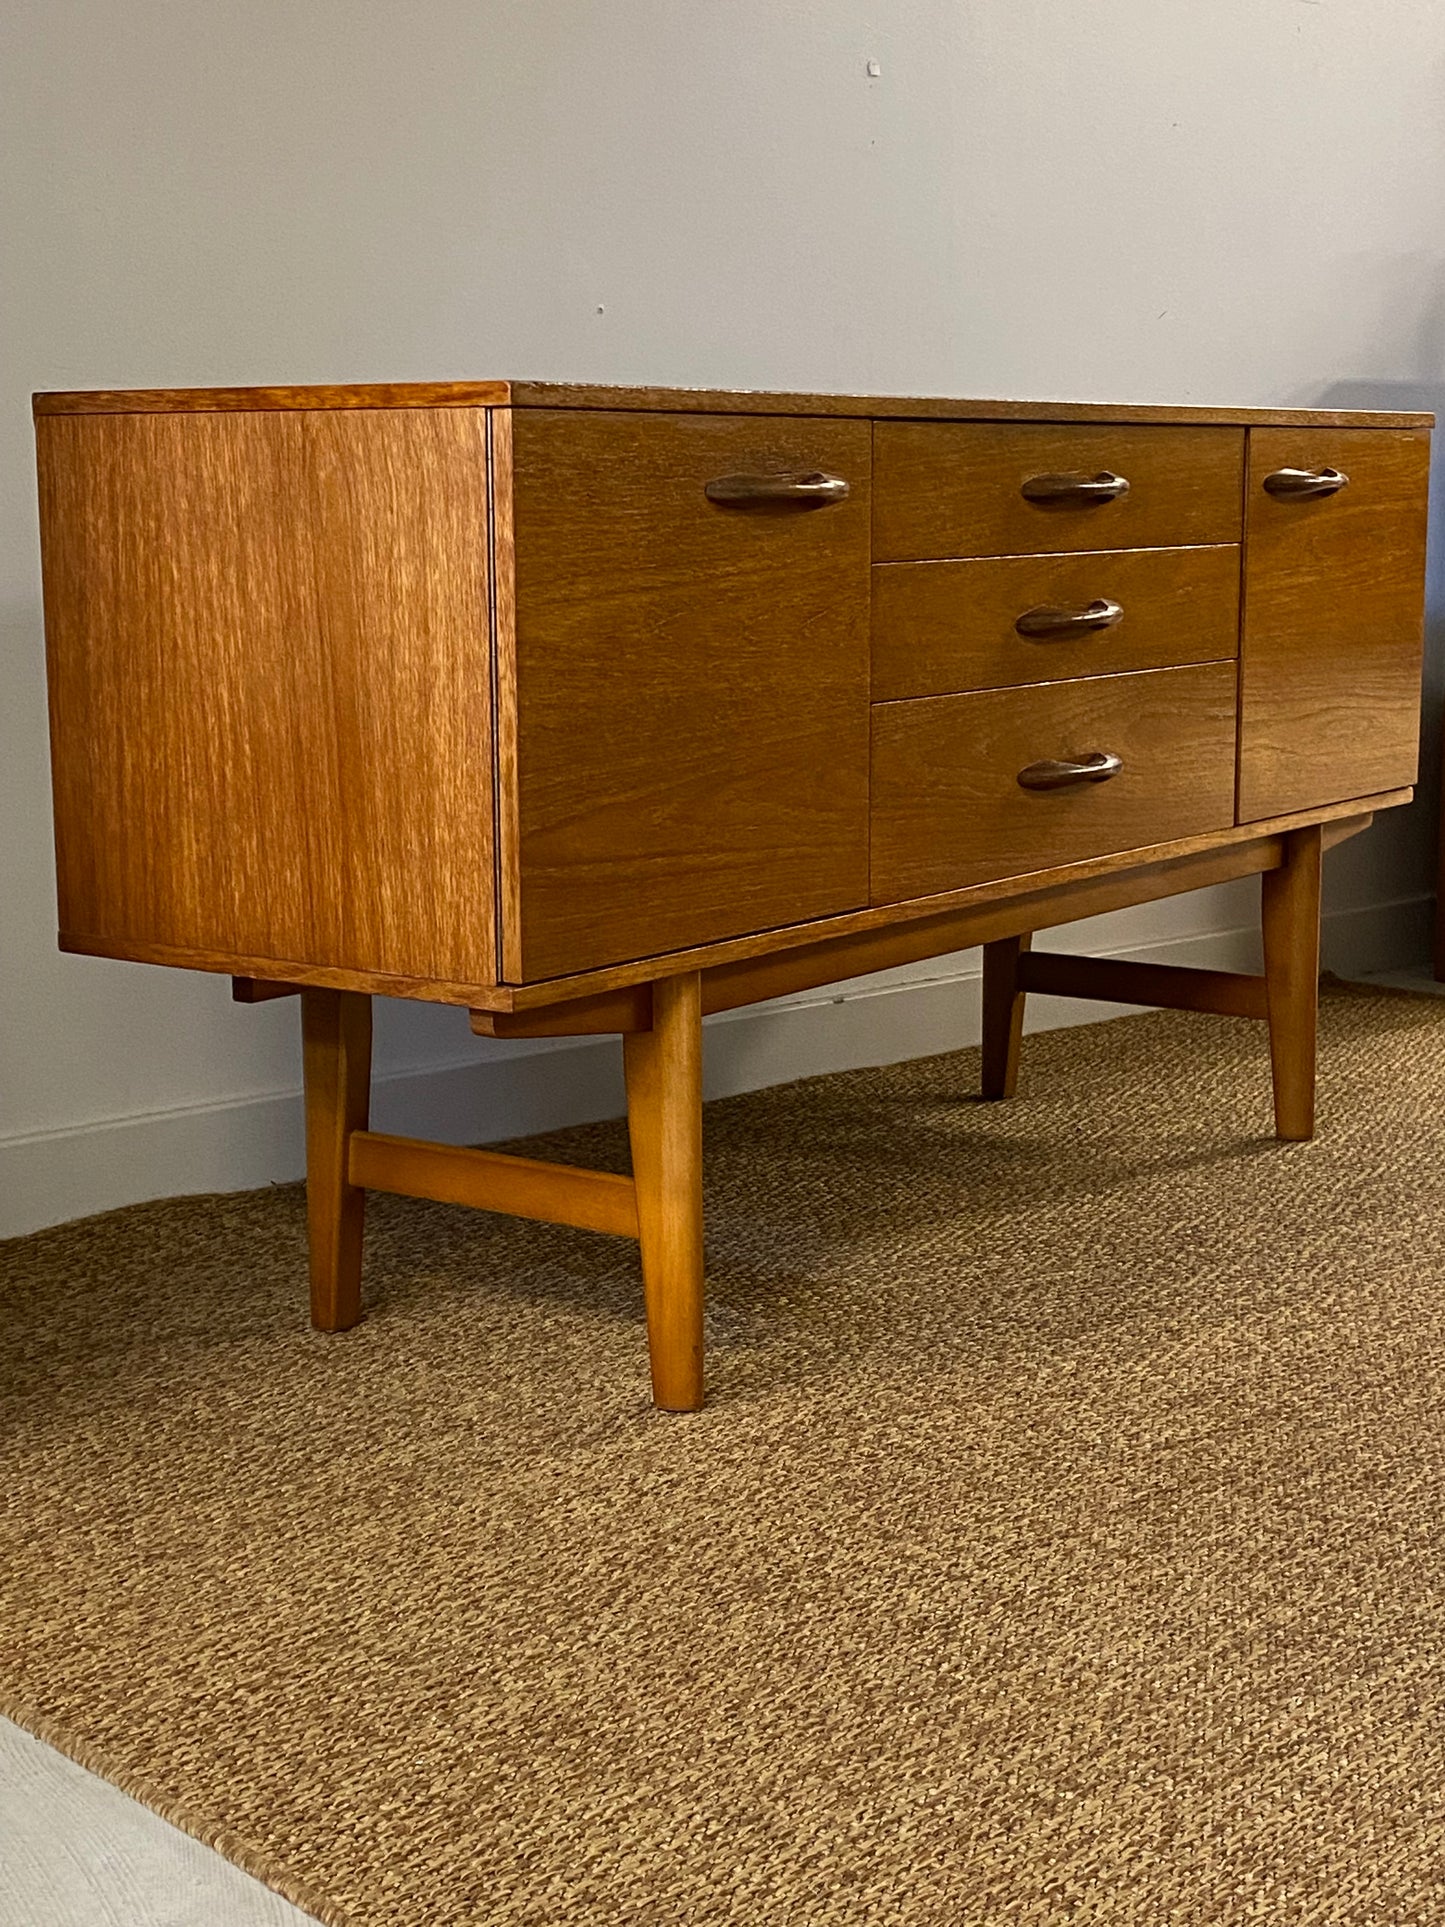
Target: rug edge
[[231, 1847], [1332, 985]]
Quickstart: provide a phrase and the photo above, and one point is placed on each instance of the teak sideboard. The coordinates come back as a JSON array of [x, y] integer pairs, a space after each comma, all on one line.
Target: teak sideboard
[[597, 709]]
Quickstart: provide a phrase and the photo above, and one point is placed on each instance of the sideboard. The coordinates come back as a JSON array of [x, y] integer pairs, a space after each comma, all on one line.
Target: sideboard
[[598, 709]]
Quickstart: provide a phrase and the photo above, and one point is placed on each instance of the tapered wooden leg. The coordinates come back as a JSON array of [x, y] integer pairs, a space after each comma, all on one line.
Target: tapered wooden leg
[[1291, 916], [1003, 1015], [664, 1121], [336, 1052]]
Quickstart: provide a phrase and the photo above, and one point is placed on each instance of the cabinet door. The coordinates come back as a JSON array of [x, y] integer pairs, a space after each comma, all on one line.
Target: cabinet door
[[685, 683], [1333, 608]]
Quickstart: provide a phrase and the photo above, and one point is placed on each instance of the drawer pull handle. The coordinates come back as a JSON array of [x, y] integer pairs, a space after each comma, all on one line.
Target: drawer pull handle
[[1050, 775], [1074, 491], [1295, 484], [1047, 621], [815, 490]]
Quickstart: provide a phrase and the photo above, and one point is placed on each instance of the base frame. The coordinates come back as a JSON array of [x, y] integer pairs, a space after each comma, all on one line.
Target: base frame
[[660, 1204]]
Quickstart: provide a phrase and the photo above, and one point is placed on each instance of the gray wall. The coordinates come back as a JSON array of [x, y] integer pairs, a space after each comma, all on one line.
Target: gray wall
[[1155, 200]]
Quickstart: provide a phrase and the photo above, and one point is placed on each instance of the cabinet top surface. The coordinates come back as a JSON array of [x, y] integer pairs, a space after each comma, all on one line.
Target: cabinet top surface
[[547, 394]]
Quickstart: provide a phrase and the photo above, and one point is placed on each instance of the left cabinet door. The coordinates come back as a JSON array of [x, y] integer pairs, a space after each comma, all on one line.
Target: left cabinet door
[[683, 681]]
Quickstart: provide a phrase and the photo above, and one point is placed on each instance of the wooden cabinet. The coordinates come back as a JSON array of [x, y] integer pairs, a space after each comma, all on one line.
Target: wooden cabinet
[[593, 710]]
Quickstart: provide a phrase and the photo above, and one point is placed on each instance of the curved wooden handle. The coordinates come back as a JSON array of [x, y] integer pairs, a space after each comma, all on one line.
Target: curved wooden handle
[[814, 490], [1298, 484], [1047, 621], [1065, 775], [1075, 490]]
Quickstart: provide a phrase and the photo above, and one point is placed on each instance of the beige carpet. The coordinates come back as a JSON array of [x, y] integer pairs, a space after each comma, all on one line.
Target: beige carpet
[[1062, 1542]]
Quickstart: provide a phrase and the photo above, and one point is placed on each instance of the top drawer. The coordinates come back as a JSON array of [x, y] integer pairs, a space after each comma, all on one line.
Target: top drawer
[[957, 488]]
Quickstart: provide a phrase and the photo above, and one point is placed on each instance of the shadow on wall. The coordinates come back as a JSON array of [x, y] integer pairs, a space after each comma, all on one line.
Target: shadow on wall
[[1401, 849]]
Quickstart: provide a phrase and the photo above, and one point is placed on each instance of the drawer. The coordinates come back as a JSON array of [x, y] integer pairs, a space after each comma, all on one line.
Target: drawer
[[956, 488], [948, 809], [945, 626]]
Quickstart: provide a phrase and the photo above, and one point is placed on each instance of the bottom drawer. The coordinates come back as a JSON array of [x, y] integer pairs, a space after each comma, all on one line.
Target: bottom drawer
[[949, 810]]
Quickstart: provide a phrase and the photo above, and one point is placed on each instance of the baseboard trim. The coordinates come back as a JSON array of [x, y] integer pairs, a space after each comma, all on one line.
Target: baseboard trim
[[50, 1177]]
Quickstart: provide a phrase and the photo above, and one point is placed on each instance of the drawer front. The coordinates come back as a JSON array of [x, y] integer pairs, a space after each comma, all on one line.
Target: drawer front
[[949, 811], [1333, 610], [940, 627], [686, 687], [957, 488]]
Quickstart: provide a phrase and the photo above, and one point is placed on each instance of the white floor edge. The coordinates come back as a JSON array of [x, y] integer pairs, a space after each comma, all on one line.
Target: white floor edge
[[76, 1852]]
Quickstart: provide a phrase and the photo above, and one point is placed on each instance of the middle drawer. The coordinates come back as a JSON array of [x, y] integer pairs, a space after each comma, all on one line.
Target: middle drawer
[[941, 627]]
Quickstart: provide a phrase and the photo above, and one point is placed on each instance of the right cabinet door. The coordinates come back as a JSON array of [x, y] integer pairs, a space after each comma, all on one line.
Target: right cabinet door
[[1330, 654]]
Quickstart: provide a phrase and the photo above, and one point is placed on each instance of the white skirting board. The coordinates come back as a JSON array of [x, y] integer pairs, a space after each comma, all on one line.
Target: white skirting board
[[50, 1177]]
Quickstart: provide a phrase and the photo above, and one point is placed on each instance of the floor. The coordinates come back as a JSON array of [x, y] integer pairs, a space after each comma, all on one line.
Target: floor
[[1416, 980], [75, 1852]]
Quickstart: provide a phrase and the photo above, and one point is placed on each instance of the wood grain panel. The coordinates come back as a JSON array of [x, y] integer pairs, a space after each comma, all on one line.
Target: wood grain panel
[[947, 807], [1022, 897], [1031, 901], [691, 688], [904, 940], [720, 401], [943, 490], [177, 401], [1332, 624], [712, 401], [941, 627], [267, 639]]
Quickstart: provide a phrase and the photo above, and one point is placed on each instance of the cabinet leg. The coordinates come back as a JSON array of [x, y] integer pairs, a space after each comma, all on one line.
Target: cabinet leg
[[664, 1121], [336, 1053], [1003, 1015], [1290, 903]]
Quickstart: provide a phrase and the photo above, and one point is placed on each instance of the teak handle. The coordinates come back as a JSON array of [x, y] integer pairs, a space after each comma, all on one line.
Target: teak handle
[[1074, 490], [1047, 620], [1063, 775], [809, 491], [1295, 484]]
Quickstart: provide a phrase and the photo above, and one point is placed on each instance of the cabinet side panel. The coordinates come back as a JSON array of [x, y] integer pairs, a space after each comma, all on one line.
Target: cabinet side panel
[[270, 716]]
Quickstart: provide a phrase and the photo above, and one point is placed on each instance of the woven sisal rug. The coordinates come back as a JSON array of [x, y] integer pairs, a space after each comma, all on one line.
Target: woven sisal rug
[[1062, 1541]]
